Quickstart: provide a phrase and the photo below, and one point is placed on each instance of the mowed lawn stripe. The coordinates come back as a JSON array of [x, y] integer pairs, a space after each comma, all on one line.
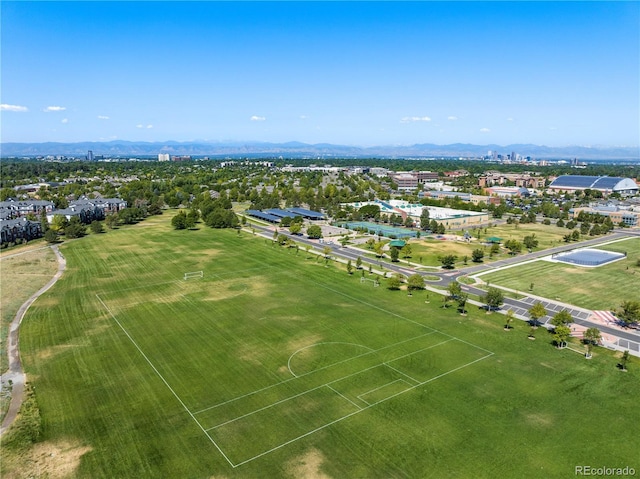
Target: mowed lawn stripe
[[504, 415]]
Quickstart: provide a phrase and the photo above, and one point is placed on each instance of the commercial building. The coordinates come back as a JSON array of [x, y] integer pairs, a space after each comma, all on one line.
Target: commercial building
[[629, 216], [451, 218], [604, 184]]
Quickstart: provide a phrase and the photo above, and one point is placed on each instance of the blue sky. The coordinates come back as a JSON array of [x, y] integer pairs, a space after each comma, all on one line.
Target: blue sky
[[356, 73]]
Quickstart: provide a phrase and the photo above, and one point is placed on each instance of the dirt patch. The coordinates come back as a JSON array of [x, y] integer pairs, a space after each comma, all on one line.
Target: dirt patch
[[299, 343], [539, 420], [52, 351], [56, 461], [307, 466]]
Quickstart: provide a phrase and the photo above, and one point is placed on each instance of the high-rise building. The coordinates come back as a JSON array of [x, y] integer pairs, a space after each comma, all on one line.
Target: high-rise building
[[90, 155], [163, 156]]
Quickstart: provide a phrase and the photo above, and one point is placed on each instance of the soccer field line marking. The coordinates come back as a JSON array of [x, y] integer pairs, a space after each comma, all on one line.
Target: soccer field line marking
[[418, 351], [400, 372], [311, 372], [318, 344], [310, 390], [265, 407], [339, 393], [163, 380], [410, 388], [383, 386]]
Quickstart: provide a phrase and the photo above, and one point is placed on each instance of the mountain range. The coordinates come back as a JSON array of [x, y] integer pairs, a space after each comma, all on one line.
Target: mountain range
[[120, 148]]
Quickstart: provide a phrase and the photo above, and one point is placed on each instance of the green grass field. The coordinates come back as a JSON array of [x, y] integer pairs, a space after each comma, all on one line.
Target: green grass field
[[273, 365], [601, 288]]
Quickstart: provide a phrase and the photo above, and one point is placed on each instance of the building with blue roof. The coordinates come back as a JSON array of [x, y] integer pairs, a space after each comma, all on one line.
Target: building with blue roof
[[604, 184], [308, 214], [280, 213], [264, 216]]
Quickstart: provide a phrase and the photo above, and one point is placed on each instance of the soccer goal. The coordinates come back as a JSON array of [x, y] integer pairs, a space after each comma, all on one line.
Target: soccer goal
[[375, 282], [193, 274]]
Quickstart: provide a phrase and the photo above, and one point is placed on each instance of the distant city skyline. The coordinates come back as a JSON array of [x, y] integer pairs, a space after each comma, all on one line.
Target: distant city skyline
[[351, 73]]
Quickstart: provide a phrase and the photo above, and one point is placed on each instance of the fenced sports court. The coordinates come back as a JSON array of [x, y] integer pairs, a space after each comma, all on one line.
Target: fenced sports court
[[588, 257], [378, 229]]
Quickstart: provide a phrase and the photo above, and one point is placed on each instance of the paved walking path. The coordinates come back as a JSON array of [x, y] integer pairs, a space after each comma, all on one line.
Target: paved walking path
[[15, 372]]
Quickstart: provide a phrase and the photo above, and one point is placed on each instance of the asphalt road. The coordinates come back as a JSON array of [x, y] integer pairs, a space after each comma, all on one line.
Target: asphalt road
[[520, 307]]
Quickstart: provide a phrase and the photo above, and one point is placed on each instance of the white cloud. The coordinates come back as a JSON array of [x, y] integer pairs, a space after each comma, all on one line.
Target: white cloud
[[509, 119], [55, 108], [149, 126], [303, 117], [257, 118], [140, 125], [453, 118], [5, 107], [102, 117], [65, 120], [485, 130], [409, 119]]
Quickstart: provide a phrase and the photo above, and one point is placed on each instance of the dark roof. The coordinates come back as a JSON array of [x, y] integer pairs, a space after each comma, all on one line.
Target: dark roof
[[580, 181], [314, 215], [264, 216], [280, 213]]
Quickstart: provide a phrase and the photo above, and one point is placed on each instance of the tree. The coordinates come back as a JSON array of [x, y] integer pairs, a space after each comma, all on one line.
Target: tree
[[448, 261], [624, 360], [508, 320], [96, 227], [415, 281], [530, 242], [281, 239], [75, 228], [514, 246], [424, 218], [561, 335], [377, 247], [454, 290], [406, 251], [394, 282], [494, 298], [111, 221], [462, 302], [560, 223], [192, 218], [394, 253], [349, 267], [477, 255], [51, 236], [295, 228], [179, 221], [326, 251], [591, 338], [630, 311], [537, 312], [562, 318], [408, 222], [286, 221], [314, 232], [359, 263], [59, 223], [222, 218], [495, 249]]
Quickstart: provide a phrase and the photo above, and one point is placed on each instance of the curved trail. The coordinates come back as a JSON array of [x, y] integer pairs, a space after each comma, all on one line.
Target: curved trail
[[15, 372]]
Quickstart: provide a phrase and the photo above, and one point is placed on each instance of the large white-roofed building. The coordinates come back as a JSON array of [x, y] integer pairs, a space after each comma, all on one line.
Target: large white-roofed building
[[604, 184], [450, 217]]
